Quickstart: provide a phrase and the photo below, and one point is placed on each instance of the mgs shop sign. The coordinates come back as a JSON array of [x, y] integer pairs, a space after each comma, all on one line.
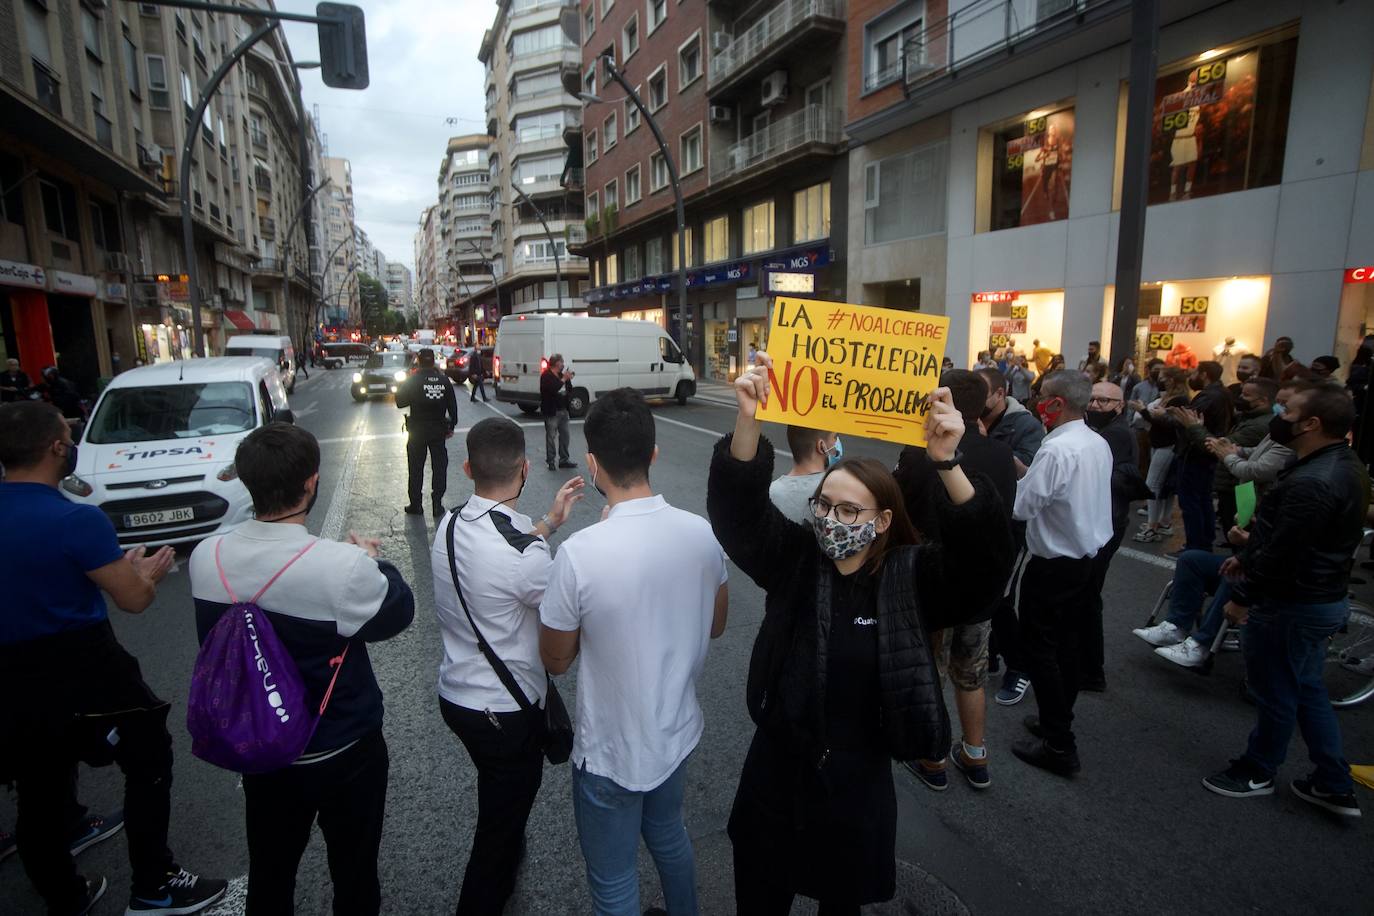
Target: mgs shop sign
[[29, 276]]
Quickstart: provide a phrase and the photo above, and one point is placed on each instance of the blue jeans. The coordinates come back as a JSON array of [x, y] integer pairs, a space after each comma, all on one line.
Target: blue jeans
[[611, 819], [1285, 651], [1196, 573], [1195, 502]]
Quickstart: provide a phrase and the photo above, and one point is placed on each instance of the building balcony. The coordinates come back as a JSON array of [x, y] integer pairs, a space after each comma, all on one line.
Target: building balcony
[[522, 261], [262, 179], [545, 59], [267, 227], [810, 129], [471, 232], [534, 141], [574, 179], [559, 223], [781, 30], [259, 138], [542, 186], [570, 304], [547, 100]]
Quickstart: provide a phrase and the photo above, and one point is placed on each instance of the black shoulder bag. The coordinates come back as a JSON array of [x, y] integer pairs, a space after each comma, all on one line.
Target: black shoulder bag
[[558, 729]]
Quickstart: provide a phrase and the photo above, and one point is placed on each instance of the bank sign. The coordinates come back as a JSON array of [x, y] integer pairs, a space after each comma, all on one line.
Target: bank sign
[[30, 276]]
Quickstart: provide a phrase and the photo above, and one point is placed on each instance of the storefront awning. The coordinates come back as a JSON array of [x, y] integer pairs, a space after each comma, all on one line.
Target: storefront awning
[[239, 320]]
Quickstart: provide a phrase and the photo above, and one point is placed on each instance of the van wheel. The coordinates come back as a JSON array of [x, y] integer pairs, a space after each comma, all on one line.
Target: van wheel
[[528, 410], [359, 397], [577, 402], [682, 394]]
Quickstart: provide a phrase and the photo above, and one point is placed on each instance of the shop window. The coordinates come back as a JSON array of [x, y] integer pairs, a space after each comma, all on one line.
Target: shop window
[[1031, 169], [653, 256], [672, 249], [811, 213], [757, 232], [1221, 124], [59, 208], [716, 233], [904, 195]]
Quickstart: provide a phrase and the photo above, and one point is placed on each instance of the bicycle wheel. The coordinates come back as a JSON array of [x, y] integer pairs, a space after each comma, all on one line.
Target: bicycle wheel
[[1350, 659]]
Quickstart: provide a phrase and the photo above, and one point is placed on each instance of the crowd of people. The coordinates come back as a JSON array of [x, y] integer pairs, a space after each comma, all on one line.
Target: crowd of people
[[985, 549]]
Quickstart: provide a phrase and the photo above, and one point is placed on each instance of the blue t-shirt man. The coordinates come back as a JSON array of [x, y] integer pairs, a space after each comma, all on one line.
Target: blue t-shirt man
[[47, 546]]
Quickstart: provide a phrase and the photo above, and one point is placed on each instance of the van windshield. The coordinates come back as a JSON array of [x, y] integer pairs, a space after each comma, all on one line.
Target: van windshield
[[271, 353], [172, 412]]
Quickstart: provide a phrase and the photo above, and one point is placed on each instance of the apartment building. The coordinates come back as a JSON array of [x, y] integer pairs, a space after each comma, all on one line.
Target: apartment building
[[371, 259], [398, 290], [529, 113], [96, 102], [341, 304], [750, 99], [988, 156], [463, 259], [429, 299]]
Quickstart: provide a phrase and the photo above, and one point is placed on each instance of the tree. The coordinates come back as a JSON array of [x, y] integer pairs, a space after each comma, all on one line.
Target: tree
[[373, 302]]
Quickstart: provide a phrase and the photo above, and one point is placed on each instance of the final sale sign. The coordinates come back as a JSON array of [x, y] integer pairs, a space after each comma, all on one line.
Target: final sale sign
[[853, 369]]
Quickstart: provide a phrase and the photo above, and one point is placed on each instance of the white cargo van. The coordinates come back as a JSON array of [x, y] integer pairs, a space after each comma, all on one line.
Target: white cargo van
[[606, 353], [157, 456], [278, 349]]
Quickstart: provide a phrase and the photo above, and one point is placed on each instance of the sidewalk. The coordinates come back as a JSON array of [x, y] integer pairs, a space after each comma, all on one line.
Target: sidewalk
[[715, 392]]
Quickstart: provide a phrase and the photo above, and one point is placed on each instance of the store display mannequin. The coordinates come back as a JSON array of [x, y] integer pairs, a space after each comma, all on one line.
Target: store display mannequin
[[1182, 356], [1228, 353]]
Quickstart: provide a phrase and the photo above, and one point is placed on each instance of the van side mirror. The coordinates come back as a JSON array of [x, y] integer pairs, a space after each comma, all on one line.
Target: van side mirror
[[285, 415]]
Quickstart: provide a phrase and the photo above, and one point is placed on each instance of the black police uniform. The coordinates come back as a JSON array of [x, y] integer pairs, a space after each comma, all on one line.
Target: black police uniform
[[433, 415]]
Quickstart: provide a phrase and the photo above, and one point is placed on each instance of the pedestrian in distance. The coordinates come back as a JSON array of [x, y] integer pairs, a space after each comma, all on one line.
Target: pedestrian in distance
[[325, 601], [812, 452], [477, 375], [1066, 501], [555, 385], [1250, 424], [1163, 441], [842, 679], [1291, 593], [14, 384], [1019, 378], [72, 691], [502, 560], [1209, 413], [1094, 357], [433, 417], [641, 627]]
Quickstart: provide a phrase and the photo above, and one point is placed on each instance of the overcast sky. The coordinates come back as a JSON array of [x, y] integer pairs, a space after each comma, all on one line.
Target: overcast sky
[[422, 58]]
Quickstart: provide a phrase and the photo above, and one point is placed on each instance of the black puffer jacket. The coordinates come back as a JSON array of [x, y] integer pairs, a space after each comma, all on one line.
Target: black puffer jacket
[[1306, 531], [785, 692]]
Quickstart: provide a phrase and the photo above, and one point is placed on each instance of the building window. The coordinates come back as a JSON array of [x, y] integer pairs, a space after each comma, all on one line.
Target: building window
[[716, 236], [886, 39], [658, 88], [632, 114], [158, 96], [632, 193], [904, 195], [811, 213], [591, 146], [543, 126], [131, 66], [633, 268], [689, 62], [611, 195], [758, 227], [1031, 163], [657, 12], [12, 200], [36, 31], [589, 80], [90, 33], [608, 126], [690, 156], [658, 172], [544, 38], [612, 269], [543, 168], [59, 208], [653, 256], [606, 6], [1221, 125], [188, 93], [588, 23], [629, 37], [593, 208], [672, 248]]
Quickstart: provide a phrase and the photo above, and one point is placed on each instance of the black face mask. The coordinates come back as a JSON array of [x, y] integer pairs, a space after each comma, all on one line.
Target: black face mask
[[314, 498], [1244, 375], [71, 460], [1244, 406], [1196, 384], [1281, 430], [1099, 419]]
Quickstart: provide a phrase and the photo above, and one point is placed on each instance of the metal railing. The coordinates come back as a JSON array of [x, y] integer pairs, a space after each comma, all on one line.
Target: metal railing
[[776, 25], [267, 227], [574, 179], [259, 137], [812, 124]]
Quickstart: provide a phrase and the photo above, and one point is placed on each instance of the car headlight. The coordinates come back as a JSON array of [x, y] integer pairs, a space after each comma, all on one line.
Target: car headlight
[[228, 473], [76, 486], [399, 376], [357, 376]]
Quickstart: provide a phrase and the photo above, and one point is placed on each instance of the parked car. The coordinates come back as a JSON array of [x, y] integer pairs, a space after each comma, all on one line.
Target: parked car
[[338, 355], [381, 375], [459, 366]]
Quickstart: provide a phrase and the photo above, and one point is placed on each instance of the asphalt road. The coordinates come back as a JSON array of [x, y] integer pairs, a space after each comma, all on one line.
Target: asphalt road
[[1134, 833]]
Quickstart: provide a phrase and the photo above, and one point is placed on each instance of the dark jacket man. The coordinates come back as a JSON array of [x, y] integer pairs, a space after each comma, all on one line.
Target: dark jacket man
[[433, 417], [553, 392]]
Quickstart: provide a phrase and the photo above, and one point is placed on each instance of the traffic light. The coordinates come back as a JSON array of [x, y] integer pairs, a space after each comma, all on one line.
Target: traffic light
[[343, 46]]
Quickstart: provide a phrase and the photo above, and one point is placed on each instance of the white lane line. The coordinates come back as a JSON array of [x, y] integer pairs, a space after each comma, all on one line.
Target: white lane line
[[364, 438], [778, 455], [1143, 557], [338, 502], [234, 901]]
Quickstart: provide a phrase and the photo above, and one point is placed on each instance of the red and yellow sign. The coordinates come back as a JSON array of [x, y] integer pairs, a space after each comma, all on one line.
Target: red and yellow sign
[[1360, 275], [1177, 324], [1007, 326], [1004, 295]]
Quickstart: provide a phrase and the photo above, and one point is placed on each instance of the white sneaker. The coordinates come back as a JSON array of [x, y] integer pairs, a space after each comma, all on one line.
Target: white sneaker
[[1189, 653], [1142, 511], [1161, 634]]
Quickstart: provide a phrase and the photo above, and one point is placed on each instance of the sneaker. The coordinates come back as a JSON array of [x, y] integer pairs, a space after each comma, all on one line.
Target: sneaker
[[933, 775], [567, 464], [1166, 528], [95, 889], [438, 508], [1161, 634], [975, 769], [1147, 535], [1038, 753], [1143, 510], [1231, 641], [1343, 804], [1190, 653], [1239, 780], [414, 510], [96, 829], [183, 893], [1013, 690], [8, 845]]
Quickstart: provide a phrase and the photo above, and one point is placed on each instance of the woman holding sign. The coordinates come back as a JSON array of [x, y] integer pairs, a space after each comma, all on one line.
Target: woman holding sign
[[842, 679]]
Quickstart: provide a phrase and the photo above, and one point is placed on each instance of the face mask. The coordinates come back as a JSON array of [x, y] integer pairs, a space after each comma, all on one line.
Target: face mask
[[595, 469], [839, 541], [314, 497], [1196, 384], [834, 453], [1277, 409], [71, 460], [1244, 375], [1244, 406], [1282, 431], [1050, 411], [1099, 419]]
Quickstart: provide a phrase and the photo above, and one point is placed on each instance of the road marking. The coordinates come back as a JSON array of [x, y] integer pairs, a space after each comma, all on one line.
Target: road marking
[[234, 901], [307, 410], [338, 502], [365, 438], [1143, 557]]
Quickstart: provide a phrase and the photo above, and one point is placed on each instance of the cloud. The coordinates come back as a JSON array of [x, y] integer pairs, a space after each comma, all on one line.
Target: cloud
[[423, 69]]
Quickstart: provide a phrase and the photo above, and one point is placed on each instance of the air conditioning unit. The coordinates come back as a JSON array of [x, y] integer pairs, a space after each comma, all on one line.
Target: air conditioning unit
[[721, 114], [145, 293], [116, 262], [720, 41], [774, 88], [150, 156]]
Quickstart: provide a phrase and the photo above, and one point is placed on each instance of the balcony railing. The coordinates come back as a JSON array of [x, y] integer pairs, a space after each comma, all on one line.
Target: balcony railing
[[775, 26], [259, 137], [812, 124], [267, 227], [262, 179], [574, 179]]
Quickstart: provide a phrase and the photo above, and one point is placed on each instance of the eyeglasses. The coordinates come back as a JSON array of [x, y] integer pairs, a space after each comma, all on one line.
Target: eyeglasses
[[1103, 402], [845, 513]]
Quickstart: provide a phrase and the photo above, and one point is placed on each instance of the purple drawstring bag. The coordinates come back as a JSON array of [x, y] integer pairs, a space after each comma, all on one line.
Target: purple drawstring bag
[[248, 710]]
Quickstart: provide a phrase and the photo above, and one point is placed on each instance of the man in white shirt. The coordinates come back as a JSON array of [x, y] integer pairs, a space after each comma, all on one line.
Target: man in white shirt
[[1065, 499], [503, 565], [812, 452], [639, 596]]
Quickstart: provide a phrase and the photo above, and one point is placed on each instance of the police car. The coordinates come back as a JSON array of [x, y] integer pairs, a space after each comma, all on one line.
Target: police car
[[157, 456]]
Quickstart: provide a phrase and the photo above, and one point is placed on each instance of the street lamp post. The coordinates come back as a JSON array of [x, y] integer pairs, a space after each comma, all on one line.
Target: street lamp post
[[553, 243], [286, 253], [329, 261]]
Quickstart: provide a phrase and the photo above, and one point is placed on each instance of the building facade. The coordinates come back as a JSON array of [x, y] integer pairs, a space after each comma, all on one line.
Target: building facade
[[463, 259], [429, 300], [341, 307], [398, 289]]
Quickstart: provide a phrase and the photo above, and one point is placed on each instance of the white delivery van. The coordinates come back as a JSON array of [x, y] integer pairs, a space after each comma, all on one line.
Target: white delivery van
[[157, 456], [605, 354], [278, 349]]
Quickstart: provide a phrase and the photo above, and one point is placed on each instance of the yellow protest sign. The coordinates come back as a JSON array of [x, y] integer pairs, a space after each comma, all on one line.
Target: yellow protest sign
[[853, 369]]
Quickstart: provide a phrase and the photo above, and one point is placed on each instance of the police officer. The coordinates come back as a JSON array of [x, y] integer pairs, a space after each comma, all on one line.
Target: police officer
[[433, 416]]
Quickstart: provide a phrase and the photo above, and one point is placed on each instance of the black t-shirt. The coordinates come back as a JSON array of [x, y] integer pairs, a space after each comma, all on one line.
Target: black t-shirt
[[981, 454], [851, 685]]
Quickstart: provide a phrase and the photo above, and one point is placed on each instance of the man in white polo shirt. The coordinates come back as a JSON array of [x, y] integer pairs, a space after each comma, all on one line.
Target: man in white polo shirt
[[639, 596], [503, 564], [1065, 499]]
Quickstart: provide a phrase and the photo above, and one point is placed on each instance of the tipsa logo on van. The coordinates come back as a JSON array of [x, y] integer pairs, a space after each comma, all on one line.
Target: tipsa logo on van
[[131, 455]]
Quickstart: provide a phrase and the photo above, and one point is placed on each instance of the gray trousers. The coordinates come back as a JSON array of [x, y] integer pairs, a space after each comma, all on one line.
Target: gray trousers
[[556, 423]]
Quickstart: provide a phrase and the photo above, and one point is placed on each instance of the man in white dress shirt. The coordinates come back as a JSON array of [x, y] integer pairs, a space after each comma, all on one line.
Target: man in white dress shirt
[[1065, 499]]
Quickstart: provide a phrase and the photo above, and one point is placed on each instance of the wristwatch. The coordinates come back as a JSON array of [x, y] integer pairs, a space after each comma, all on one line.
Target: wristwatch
[[548, 524], [950, 463]]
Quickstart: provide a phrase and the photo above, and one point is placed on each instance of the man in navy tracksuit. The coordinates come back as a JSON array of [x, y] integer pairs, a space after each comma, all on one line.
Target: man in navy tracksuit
[[335, 596]]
